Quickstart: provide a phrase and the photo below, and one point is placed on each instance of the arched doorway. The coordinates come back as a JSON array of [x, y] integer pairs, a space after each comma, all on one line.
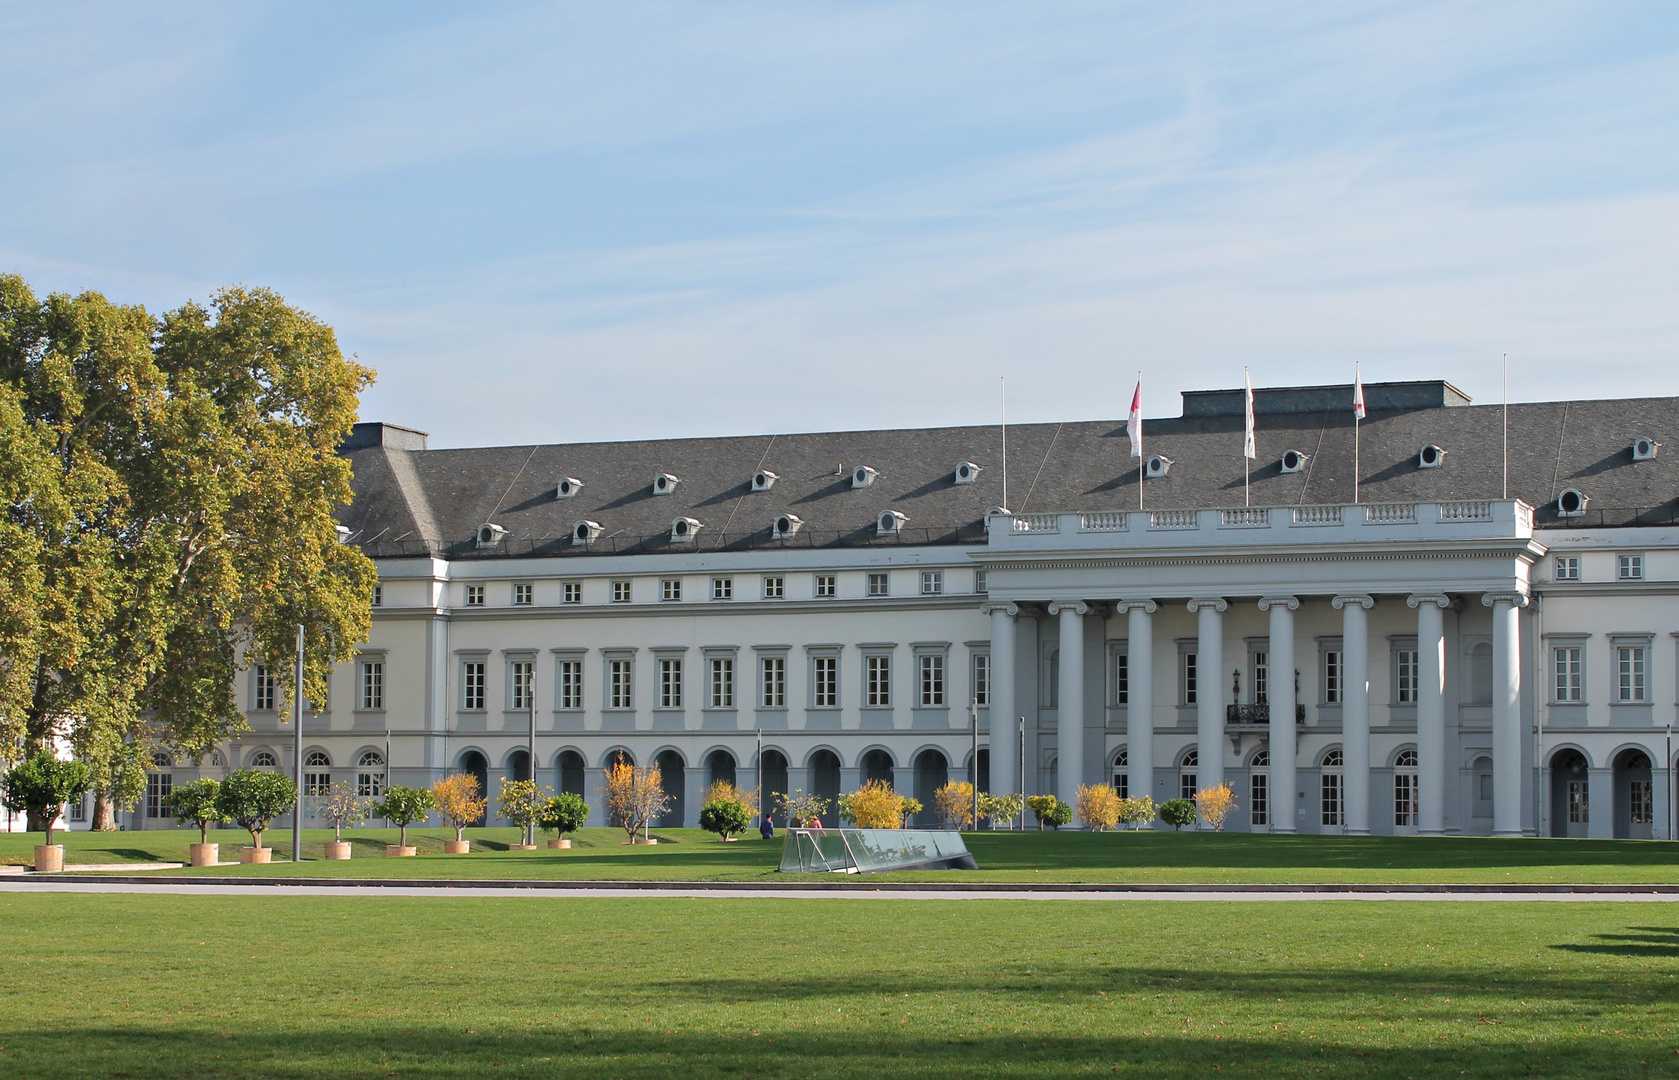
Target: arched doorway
[[772, 779], [984, 778], [877, 765], [1332, 792], [672, 777], [571, 767], [1635, 803], [1259, 791], [519, 765], [932, 771], [1405, 792], [720, 767], [1570, 794], [475, 764], [825, 782], [1188, 781]]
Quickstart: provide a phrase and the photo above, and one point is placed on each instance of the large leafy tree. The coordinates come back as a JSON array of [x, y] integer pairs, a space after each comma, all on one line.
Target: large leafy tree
[[171, 490]]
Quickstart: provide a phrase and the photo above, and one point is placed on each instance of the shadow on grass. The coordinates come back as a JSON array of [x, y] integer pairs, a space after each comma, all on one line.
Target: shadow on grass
[[1653, 941]]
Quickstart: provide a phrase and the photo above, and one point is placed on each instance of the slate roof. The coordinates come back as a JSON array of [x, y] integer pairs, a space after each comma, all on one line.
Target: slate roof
[[418, 502]]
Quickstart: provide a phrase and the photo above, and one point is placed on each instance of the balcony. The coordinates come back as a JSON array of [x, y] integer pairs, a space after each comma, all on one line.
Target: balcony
[[1258, 715]]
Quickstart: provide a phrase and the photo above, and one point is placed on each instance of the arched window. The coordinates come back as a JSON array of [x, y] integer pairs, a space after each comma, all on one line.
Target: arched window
[[161, 760], [370, 774], [319, 780], [1405, 790], [1122, 774], [1187, 780], [317, 759], [1332, 791], [216, 759], [1259, 790], [262, 759]]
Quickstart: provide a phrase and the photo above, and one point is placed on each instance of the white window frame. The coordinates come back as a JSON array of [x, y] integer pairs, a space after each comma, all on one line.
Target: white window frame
[[1189, 675], [265, 691], [670, 590], [571, 592], [930, 680], [720, 674], [1407, 673], [1568, 673], [621, 592], [670, 682], [372, 685], [722, 588], [1332, 682], [524, 594], [1629, 568], [932, 583], [1566, 568], [772, 681], [521, 681], [827, 586], [982, 582], [1332, 791], [824, 680], [880, 583], [877, 680], [1632, 673], [370, 784], [569, 676], [475, 596], [620, 683], [473, 685], [1119, 676], [979, 679], [775, 587], [378, 595]]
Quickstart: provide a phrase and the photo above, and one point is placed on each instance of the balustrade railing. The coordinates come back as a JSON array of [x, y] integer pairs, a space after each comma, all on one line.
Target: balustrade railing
[[1317, 515], [1103, 521], [1390, 513], [1245, 517], [1037, 523], [1468, 510], [1173, 519]]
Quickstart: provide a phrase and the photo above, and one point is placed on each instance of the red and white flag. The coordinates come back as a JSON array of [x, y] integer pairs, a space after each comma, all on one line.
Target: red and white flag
[[1249, 449], [1358, 394], [1134, 424]]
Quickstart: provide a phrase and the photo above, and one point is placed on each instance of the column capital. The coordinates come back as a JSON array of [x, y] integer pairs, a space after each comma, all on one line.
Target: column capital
[[1007, 607], [1266, 603], [1365, 602], [1216, 603], [1126, 606], [1077, 607], [1511, 597], [1437, 599]]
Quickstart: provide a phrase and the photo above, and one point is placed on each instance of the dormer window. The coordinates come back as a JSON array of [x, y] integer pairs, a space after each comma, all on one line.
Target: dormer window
[[763, 480], [664, 484], [344, 533], [966, 472], [489, 535], [1157, 466], [862, 476], [1430, 456], [890, 523], [682, 530], [585, 532], [1645, 449], [1571, 504], [568, 488], [997, 511], [1292, 461], [785, 526]]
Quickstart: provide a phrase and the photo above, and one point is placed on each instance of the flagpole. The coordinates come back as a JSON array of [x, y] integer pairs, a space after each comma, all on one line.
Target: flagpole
[[1247, 434], [1358, 415], [1003, 412], [1140, 458], [1506, 491]]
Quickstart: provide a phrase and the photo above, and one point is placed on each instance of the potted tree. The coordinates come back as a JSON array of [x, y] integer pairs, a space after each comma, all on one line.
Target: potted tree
[[404, 805], [634, 797], [199, 804], [460, 803], [341, 806], [521, 802], [253, 799], [40, 787], [564, 813]]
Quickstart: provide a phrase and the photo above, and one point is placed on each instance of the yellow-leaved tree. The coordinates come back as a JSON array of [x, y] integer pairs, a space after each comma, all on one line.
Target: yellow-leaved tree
[[1215, 804], [634, 797], [459, 801], [874, 806], [1098, 806], [955, 801]]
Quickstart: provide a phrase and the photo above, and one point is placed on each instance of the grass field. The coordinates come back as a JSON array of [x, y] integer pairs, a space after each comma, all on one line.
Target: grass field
[[286, 986], [689, 854]]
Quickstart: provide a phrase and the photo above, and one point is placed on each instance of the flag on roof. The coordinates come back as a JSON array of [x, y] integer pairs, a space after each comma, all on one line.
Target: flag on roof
[[1248, 448], [1358, 394], [1134, 424]]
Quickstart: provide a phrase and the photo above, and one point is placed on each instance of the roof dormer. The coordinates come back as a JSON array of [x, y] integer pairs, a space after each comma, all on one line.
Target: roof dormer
[[1292, 461], [890, 523], [664, 483], [966, 472], [763, 480], [1157, 466], [1572, 503], [568, 488], [585, 532], [1645, 449], [490, 534], [863, 476], [785, 526], [682, 530], [1430, 457]]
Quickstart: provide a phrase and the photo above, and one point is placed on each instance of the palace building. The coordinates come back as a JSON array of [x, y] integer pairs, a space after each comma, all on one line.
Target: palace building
[[1447, 638]]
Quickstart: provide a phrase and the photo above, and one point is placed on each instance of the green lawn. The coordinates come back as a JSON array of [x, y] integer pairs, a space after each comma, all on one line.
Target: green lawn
[[689, 854], [289, 986]]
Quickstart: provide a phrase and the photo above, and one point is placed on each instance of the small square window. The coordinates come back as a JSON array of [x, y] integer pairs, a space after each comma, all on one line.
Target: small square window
[[620, 592], [378, 596], [827, 586], [722, 588], [523, 592], [1631, 568], [475, 596], [878, 585], [670, 589], [775, 587], [573, 592], [981, 585], [1568, 568], [932, 582]]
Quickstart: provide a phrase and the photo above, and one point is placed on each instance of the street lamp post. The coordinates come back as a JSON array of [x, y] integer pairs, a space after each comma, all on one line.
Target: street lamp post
[[297, 750], [530, 699], [758, 772], [973, 775]]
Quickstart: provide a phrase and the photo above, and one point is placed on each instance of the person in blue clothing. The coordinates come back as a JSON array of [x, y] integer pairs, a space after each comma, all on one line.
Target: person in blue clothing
[[766, 828]]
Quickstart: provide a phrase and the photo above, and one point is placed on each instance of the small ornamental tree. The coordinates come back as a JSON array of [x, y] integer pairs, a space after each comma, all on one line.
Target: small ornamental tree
[[1215, 804], [955, 801], [521, 802], [1000, 809], [725, 817], [1177, 813], [799, 808], [459, 801], [722, 789], [253, 799], [1042, 807], [911, 807], [42, 785], [564, 813], [1098, 806], [873, 806], [1137, 812], [198, 803], [634, 797], [341, 806], [405, 806]]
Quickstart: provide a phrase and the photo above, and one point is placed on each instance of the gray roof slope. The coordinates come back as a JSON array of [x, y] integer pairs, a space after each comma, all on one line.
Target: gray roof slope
[[1071, 466]]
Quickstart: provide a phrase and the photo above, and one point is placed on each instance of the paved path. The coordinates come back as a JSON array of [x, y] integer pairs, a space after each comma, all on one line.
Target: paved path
[[48, 885]]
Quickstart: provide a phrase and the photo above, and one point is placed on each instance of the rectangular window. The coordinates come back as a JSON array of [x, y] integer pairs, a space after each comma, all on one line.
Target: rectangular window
[[981, 583], [1189, 677], [317, 783], [722, 683], [1122, 679], [1579, 807], [1629, 671], [1569, 666], [878, 585], [879, 682], [932, 682], [1331, 798], [77, 810], [1187, 786], [1122, 780], [523, 672], [670, 684], [1259, 799], [523, 593], [774, 670], [158, 788], [1261, 677], [475, 596], [827, 586], [572, 592], [670, 589], [932, 582], [266, 689], [982, 679], [620, 592], [1332, 677], [1404, 799], [825, 676], [722, 588], [622, 677], [571, 684], [373, 684], [1641, 803], [1631, 568], [1568, 568], [775, 587], [370, 785], [378, 595], [472, 686], [1405, 676]]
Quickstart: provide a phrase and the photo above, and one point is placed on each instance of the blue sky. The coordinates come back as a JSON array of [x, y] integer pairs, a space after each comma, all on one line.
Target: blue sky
[[581, 221]]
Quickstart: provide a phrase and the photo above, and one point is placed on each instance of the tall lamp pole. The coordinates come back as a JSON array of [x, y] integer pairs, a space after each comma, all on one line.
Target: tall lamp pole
[[530, 699], [1022, 818], [973, 778], [758, 772], [297, 750]]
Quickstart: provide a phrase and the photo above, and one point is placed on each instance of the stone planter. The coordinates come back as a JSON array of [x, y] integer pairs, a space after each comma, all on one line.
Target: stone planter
[[338, 849], [638, 841], [562, 844], [521, 847], [397, 851], [248, 854], [203, 854], [456, 847], [49, 858]]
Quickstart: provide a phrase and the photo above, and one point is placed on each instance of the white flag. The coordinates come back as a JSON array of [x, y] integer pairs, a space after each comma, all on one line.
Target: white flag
[[1134, 425], [1358, 394], [1248, 448]]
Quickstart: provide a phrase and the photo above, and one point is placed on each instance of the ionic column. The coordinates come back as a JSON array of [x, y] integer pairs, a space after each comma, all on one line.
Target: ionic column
[[1355, 710], [1431, 713], [1506, 712], [1280, 696], [1209, 690], [1139, 702], [1069, 723], [1005, 740]]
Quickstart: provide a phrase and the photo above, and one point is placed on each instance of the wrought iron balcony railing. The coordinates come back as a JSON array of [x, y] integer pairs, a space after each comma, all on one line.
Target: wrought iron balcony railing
[[1258, 714]]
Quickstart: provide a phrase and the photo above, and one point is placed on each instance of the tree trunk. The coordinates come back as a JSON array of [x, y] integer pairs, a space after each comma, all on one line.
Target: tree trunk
[[32, 821], [104, 812]]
